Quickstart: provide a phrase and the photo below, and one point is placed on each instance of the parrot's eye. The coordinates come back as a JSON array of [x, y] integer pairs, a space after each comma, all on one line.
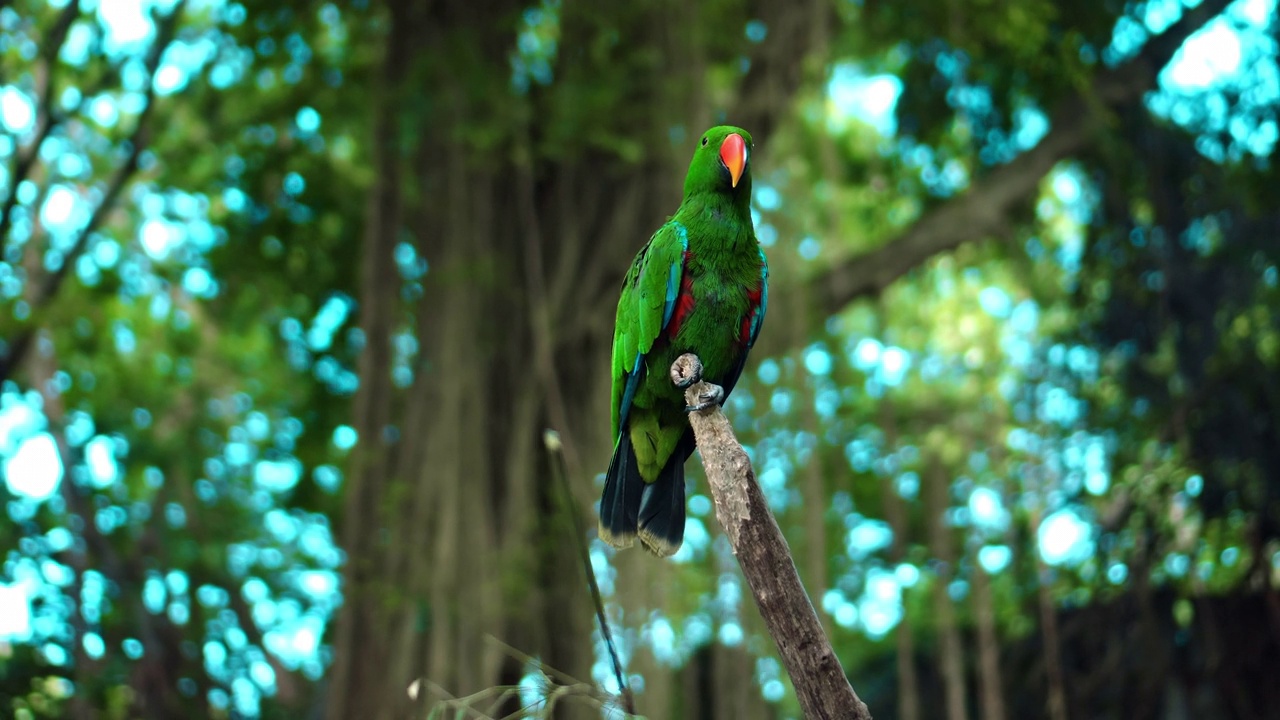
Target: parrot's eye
[[704, 141]]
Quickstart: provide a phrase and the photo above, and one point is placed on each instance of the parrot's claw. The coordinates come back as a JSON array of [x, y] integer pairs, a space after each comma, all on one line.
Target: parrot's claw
[[693, 378], [711, 398]]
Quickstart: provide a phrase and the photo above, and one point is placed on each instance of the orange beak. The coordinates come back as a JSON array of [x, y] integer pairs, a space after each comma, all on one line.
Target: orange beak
[[733, 153]]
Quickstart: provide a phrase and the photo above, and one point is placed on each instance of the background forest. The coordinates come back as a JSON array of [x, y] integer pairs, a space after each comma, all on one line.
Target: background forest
[[290, 291]]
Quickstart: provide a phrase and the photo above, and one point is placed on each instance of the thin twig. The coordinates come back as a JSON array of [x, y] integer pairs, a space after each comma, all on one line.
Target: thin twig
[[551, 691], [552, 440], [528, 659], [463, 703], [506, 695]]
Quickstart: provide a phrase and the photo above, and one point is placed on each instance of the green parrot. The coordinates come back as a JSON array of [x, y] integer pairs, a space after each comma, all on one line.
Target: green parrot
[[700, 285]]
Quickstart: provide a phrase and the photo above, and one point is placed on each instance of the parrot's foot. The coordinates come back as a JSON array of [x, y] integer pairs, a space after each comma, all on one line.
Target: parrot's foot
[[711, 398], [687, 371]]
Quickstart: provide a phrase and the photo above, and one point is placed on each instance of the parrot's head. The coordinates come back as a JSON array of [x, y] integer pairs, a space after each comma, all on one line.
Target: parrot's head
[[722, 162]]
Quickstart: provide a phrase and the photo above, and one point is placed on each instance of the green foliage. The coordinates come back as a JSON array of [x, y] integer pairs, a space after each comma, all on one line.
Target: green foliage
[[1095, 386]]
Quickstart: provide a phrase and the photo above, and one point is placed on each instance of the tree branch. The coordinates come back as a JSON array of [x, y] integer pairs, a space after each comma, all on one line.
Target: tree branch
[[982, 211], [158, 636], [555, 449], [821, 685], [47, 120], [48, 289], [168, 28]]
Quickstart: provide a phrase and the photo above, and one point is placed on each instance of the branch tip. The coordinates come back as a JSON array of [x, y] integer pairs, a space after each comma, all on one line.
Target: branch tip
[[686, 370]]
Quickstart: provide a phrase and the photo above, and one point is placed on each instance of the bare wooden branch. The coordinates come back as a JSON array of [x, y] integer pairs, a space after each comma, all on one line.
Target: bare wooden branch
[[821, 685]]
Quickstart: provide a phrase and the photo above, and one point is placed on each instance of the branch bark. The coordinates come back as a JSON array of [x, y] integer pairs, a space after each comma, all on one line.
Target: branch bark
[[820, 683], [984, 209]]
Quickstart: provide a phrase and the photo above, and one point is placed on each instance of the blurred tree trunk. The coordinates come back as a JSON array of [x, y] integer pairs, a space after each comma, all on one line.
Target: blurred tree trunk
[[528, 207], [937, 488], [988, 642], [803, 315], [1042, 482], [718, 683], [450, 524], [1056, 699], [984, 607], [816, 501], [895, 511]]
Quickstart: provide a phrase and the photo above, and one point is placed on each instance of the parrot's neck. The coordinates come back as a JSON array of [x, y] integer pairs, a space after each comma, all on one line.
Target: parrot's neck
[[723, 218]]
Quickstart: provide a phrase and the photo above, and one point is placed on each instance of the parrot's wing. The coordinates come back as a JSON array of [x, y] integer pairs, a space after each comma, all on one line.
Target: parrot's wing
[[649, 294]]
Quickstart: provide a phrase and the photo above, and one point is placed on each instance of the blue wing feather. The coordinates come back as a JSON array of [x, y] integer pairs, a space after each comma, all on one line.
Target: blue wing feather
[[633, 381], [673, 290], [673, 276], [673, 293]]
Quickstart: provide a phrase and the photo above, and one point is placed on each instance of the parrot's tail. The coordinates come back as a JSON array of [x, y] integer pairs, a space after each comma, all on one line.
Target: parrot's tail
[[662, 508], [654, 511], [623, 491]]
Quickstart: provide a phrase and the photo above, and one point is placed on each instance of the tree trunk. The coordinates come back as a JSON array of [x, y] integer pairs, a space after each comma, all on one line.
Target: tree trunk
[[1056, 701], [450, 523], [895, 511], [990, 678], [527, 211], [988, 643], [528, 208], [814, 492], [1056, 697], [937, 487], [718, 683]]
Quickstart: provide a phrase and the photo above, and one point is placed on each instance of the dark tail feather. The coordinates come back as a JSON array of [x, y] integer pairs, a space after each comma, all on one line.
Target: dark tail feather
[[661, 521], [620, 502]]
